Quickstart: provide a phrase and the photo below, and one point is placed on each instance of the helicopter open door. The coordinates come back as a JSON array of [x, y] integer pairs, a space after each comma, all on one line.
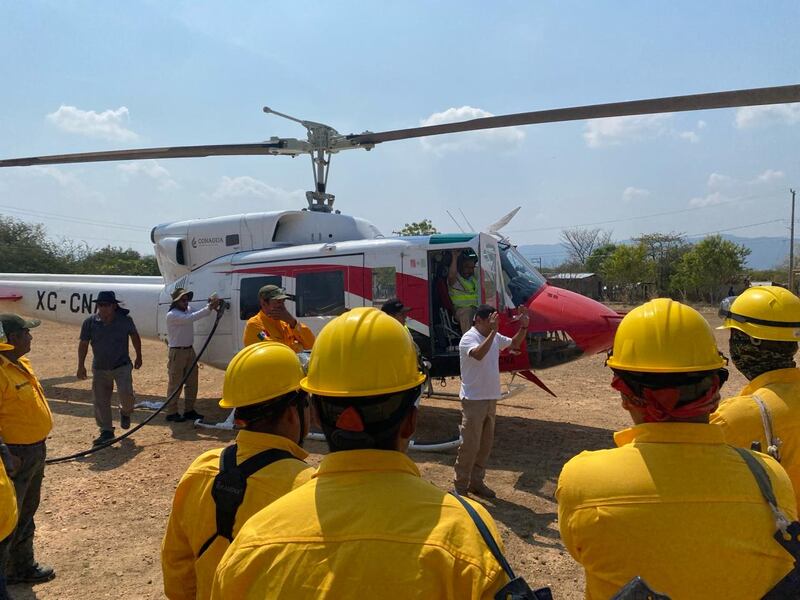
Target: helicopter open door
[[493, 293]]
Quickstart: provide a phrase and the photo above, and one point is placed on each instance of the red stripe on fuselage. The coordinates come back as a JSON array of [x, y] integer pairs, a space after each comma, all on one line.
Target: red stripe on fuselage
[[413, 291]]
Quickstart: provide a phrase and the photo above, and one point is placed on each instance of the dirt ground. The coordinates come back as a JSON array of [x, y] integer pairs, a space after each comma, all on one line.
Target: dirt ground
[[102, 518]]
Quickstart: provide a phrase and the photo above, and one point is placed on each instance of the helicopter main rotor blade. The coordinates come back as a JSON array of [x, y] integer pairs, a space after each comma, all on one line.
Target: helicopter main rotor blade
[[271, 147], [752, 97]]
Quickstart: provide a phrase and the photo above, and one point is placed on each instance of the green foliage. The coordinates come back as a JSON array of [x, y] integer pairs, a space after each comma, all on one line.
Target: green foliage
[[710, 266], [665, 251], [25, 248], [117, 261], [596, 260], [424, 227], [630, 269]]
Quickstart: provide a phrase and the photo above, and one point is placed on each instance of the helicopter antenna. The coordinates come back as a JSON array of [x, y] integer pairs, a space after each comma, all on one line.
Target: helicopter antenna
[[454, 221], [471, 228]]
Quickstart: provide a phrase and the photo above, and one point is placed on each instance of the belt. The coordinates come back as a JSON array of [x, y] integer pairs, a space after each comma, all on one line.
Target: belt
[[41, 443], [180, 347]]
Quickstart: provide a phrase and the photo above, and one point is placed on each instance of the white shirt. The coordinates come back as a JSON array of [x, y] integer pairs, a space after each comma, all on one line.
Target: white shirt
[[480, 379], [180, 326]]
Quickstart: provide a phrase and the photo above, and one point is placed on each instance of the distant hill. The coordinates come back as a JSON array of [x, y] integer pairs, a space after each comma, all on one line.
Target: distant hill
[[765, 252]]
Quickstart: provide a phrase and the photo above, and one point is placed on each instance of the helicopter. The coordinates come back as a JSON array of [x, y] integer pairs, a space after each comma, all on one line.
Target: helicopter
[[329, 262]]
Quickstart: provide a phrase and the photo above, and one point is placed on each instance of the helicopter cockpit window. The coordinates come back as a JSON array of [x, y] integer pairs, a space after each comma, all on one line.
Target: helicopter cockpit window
[[320, 294], [248, 294], [521, 279], [384, 285]]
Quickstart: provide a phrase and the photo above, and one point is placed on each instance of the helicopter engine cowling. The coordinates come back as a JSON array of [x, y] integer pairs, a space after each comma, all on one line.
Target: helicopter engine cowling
[[184, 246]]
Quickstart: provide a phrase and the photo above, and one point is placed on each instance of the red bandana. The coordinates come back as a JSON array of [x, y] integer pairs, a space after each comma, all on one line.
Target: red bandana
[[350, 420], [659, 404]]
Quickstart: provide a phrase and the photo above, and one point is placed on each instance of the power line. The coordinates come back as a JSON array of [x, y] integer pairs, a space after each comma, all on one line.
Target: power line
[[639, 217], [43, 214], [734, 228]]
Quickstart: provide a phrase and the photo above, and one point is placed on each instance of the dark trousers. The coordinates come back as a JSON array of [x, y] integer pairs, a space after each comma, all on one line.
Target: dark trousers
[[16, 551]]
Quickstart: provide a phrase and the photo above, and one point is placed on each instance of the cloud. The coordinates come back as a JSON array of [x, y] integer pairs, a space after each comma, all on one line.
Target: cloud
[[107, 125], [151, 169], [768, 176], [632, 193], [717, 180], [756, 116], [69, 182], [250, 187], [473, 140], [724, 188], [708, 200], [615, 131]]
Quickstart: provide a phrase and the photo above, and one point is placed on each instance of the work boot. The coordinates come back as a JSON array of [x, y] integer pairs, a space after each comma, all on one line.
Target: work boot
[[35, 573], [125, 421], [192, 415], [482, 490], [460, 490], [105, 435], [175, 418]]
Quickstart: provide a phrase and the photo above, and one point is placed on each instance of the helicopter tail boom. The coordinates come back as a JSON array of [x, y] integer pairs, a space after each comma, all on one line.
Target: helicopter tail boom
[[70, 298]]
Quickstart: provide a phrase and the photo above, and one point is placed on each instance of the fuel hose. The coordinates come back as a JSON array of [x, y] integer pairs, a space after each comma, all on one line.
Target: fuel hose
[[130, 432]]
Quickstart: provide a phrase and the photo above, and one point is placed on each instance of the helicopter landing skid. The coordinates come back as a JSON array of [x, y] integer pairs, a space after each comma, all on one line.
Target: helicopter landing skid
[[439, 446], [227, 424], [148, 405]]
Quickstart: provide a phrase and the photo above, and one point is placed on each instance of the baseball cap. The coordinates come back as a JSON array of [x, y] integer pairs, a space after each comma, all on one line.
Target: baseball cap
[[11, 323], [272, 292], [394, 306]]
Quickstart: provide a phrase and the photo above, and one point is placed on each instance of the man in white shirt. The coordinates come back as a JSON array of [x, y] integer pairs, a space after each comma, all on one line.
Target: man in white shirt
[[180, 334], [479, 353]]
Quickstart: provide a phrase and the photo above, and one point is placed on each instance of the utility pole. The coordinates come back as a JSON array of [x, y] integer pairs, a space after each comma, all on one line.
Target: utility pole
[[791, 247]]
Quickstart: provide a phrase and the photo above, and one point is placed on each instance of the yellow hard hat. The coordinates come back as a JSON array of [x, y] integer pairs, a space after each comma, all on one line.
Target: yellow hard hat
[[260, 372], [664, 336], [764, 312], [363, 352]]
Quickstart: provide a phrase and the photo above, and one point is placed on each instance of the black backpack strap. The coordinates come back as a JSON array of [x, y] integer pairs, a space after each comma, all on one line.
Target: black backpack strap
[[788, 534], [230, 486], [517, 588], [765, 485], [486, 535], [261, 460]]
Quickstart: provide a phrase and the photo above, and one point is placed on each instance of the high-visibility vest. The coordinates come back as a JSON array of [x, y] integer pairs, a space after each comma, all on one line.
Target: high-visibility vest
[[467, 294]]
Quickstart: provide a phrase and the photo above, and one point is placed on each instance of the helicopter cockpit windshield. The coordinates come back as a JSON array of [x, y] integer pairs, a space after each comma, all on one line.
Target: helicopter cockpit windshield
[[522, 280]]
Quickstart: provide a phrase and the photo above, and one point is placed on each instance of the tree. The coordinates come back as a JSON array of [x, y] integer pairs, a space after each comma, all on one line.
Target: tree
[[630, 269], [665, 250], [424, 227], [25, 248], [709, 268], [117, 261], [595, 262], [580, 243]]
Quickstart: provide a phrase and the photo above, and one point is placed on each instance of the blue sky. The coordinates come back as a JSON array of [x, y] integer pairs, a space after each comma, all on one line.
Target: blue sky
[[83, 76]]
